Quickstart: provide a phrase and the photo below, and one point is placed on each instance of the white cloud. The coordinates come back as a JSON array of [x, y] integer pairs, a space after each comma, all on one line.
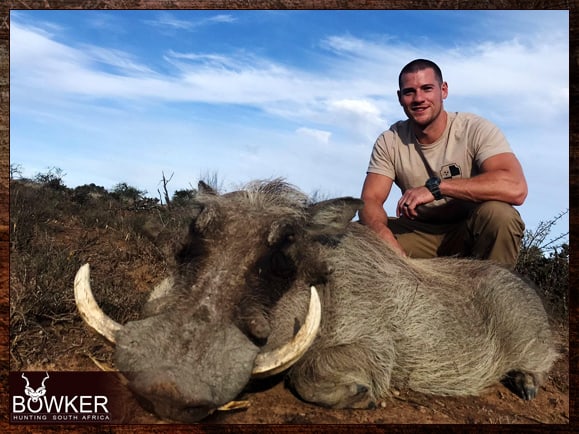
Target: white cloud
[[358, 107], [519, 80], [318, 135], [360, 115], [529, 78]]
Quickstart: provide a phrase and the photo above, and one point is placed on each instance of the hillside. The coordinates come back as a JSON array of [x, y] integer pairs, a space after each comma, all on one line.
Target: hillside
[[128, 240]]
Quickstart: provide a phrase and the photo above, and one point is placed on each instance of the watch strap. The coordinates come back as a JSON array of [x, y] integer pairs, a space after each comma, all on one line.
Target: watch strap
[[433, 184]]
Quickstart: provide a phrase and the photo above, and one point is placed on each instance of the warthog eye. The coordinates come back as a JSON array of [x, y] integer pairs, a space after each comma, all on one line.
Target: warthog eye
[[281, 265]]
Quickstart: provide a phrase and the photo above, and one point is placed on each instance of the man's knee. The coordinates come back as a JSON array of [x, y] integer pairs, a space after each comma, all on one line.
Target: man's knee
[[495, 216], [496, 229], [418, 239]]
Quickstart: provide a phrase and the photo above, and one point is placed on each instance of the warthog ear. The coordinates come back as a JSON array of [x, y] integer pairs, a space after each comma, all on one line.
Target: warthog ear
[[281, 230], [204, 188], [330, 217]]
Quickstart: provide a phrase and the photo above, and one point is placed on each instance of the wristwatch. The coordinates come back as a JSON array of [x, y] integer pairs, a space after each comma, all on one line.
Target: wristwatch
[[433, 184]]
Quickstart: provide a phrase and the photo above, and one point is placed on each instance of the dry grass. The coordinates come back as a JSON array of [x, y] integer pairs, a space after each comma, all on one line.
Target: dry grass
[[52, 233]]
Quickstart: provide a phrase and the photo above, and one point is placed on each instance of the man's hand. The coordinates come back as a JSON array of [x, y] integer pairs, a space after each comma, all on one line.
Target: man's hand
[[411, 199]]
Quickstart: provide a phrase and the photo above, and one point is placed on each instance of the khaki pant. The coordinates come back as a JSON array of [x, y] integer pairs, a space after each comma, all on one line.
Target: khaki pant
[[493, 230]]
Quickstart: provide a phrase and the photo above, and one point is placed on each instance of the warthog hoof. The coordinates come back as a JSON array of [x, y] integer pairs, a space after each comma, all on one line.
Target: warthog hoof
[[524, 384]]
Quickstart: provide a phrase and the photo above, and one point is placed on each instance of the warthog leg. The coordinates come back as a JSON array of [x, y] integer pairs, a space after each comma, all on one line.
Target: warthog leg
[[335, 393], [330, 377]]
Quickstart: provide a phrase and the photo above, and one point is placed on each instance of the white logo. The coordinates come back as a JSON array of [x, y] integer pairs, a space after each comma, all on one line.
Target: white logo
[[35, 395], [38, 406]]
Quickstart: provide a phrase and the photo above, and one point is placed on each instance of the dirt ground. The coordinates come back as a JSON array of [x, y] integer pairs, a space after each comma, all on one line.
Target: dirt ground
[[270, 402], [61, 342]]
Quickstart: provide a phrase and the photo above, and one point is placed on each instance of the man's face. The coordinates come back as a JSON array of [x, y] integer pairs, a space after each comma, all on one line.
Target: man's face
[[421, 96]]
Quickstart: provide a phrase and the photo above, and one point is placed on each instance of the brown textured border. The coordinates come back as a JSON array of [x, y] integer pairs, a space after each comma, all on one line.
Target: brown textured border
[[6, 6]]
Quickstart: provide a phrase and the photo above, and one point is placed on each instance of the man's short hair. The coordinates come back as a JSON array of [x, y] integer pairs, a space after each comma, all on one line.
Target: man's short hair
[[419, 65]]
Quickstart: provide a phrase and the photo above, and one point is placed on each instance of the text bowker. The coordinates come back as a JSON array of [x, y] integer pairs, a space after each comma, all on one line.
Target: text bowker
[[61, 404]]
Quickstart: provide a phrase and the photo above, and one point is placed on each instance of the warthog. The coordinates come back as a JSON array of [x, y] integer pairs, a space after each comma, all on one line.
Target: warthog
[[254, 262]]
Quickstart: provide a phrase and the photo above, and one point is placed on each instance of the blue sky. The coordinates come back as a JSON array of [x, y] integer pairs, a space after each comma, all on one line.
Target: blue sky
[[123, 96]]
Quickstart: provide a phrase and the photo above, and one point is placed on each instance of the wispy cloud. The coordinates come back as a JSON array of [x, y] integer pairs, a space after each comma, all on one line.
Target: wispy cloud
[[121, 62], [245, 78], [169, 21]]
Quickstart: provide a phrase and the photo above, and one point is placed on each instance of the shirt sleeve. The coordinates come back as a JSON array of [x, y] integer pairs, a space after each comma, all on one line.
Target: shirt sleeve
[[487, 140], [381, 159]]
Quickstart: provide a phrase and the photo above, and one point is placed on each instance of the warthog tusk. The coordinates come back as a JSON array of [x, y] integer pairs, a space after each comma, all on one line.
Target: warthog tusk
[[278, 360], [234, 405], [89, 309]]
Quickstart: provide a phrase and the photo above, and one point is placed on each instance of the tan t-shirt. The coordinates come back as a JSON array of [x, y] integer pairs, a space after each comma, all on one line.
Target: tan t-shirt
[[467, 141]]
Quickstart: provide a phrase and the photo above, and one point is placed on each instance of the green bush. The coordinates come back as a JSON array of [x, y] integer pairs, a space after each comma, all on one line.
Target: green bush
[[183, 197], [546, 263], [125, 192]]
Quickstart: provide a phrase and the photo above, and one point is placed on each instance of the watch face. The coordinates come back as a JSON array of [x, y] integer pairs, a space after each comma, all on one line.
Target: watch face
[[433, 182]]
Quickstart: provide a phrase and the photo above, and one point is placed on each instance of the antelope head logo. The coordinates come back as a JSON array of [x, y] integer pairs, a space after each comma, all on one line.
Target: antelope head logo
[[33, 394]]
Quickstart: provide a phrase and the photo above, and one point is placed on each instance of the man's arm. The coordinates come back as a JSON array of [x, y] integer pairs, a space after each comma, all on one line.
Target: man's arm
[[501, 179], [374, 193]]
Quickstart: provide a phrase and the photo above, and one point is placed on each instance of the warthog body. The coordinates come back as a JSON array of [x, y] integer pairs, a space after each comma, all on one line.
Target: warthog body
[[440, 326]]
